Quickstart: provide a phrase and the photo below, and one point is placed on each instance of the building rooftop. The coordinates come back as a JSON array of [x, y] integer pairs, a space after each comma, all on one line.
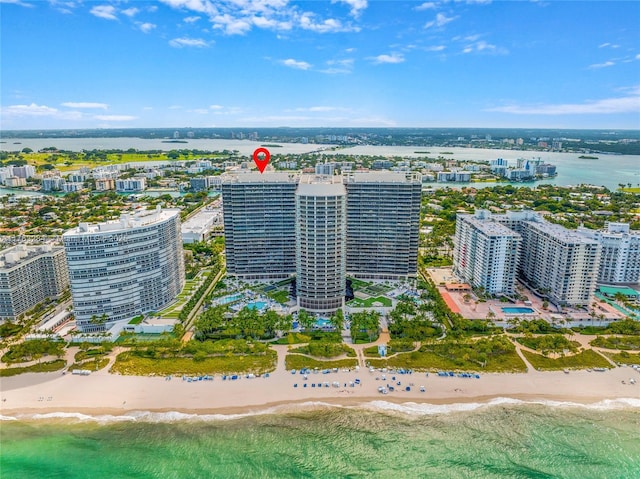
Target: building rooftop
[[319, 185], [15, 255], [252, 177], [126, 222], [201, 221], [381, 177], [489, 227], [563, 234]]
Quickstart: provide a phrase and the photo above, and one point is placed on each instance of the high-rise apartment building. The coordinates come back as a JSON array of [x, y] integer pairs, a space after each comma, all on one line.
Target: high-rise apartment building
[[486, 253], [620, 254], [120, 269], [318, 227], [260, 224], [559, 262], [28, 276], [383, 220], [321, 233]]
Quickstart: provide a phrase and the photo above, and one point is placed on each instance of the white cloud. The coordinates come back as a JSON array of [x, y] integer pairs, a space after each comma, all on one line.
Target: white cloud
[[322, 109], [484, 47], [393, 58], [30, 110], [191, 19], [299, 65], [238, 17], [357, 6], [104, 11], [115, 117], [625, 104], [216, 107], [146, 27], [607, 44], [440, 21], [18, 2], [435, 48], [147, 108], [602, 65], [130, 12], [35, 110], [339, 66], [200, 6], [426, 6], [331, 25], [63, 6], [188, 42], [85, 104]]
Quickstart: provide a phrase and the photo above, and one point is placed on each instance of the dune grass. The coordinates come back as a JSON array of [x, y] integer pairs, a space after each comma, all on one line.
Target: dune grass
[[297, 361], [583, 360], [35, 368], [129, 364]]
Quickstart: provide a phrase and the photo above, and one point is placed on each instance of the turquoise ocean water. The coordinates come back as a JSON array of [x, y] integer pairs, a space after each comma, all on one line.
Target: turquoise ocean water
[[508, 439]]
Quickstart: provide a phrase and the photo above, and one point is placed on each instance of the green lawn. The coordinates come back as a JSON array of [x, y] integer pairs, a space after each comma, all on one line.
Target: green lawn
[[586, 359], [137, 319], [358, 283], [368, 303], [293, 338], [280, 296], [129, 364], [297, 361]]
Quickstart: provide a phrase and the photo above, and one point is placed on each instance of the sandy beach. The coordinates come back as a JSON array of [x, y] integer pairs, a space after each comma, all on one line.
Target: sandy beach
[[102, 393]]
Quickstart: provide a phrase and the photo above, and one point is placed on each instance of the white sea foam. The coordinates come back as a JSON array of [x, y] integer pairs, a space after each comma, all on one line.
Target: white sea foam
[[407, 408], [426, 409]]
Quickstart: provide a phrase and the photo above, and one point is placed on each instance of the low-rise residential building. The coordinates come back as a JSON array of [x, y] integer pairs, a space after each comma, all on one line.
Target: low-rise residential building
[[105, 184], [131, 185]]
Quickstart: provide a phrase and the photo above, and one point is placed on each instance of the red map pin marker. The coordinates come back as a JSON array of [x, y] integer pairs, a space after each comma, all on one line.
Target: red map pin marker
[[261, 158]]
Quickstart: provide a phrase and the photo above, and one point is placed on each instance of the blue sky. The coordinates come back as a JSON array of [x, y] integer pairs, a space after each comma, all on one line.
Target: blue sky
[[219, 63]]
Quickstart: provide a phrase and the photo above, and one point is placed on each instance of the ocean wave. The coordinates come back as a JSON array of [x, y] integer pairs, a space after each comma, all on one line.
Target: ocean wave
[[411, 409], [168, 416], [427, 409]]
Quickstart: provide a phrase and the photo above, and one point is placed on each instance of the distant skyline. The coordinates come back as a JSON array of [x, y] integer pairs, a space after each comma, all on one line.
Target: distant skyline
[[340, 63]]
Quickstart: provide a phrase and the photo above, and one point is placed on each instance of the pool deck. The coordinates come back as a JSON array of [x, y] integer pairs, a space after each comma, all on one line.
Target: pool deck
[[480, 310]]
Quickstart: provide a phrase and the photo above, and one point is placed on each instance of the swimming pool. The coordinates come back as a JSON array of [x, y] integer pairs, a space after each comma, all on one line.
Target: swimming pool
[[323, 323], [230, 299], [517, 310], [259, 305]]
